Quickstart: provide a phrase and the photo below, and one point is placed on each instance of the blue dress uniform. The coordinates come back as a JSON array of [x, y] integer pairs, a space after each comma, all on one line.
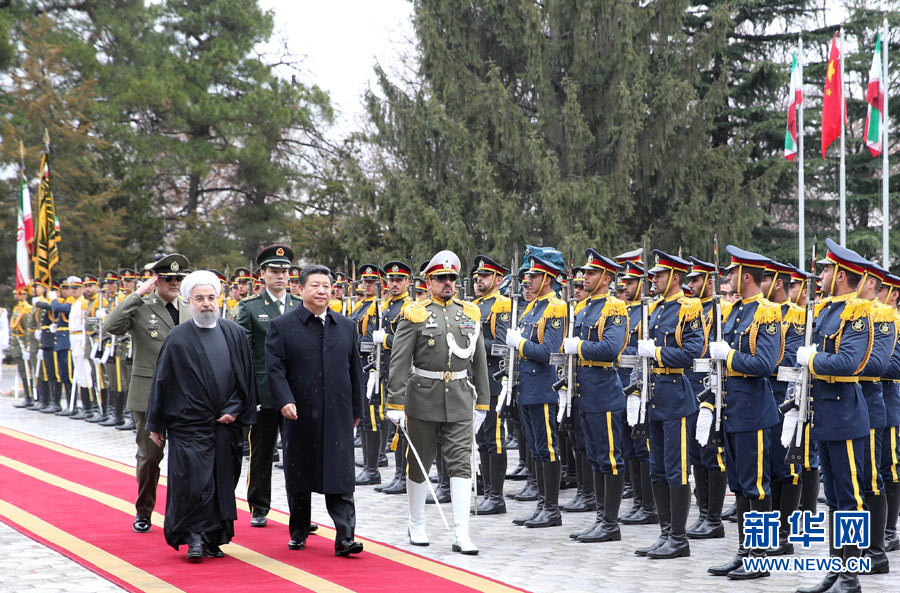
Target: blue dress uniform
[[677, 330], [601, 326], [889, 444], [61, 380], [542, 327], [46, 376], [752, 329], [390, 317], [496, 311], [707, 463], [635, 451], [364, 314]]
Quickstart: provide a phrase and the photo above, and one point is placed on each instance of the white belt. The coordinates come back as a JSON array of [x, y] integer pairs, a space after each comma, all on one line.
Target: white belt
[[446, 376]]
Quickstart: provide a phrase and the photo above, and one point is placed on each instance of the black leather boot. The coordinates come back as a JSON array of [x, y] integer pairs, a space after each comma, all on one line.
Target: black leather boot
[[739, 574], [128, 424], [597, 479], [493, 503], [114, 411], [398, 485], [397, 469], [877, 519], [847, 582], [646, 514], [742, 505], [55, 394], [576, 502], [676, 545], [701, 493], [549, 515], [69, 407], [538, 473], [530, 490], [608, 529], [660, 491], [892, 492], [831, 577], [99, 412], [85, 411], [730, 514], [634, 466], [790, 500], [809, 490], [369, 474], [712, 527]]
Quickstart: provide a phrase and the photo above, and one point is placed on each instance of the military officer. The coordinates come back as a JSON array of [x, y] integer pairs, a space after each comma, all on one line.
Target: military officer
[[677, 335], [148, 314], [601, 327], [635, 451], [438, 382], [889, 450], [397, 277], [420, 288], [46, 375], [20, 322], [81, 372], [495, 320], [365, 314], [843, 337], [539, 333], [254, 314]]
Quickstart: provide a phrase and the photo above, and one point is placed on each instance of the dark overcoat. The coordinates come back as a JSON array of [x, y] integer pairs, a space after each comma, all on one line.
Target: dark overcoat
[[316, 367]]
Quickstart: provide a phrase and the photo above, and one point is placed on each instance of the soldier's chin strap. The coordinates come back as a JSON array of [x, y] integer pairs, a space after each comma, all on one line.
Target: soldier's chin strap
[[862, 281], [599, 283], [771, 287], [668, 282], [834, 274], [740, 272]]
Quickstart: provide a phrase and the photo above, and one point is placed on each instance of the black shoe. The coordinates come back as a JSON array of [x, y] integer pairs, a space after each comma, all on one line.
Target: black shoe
[[211, 550], [549, 515], [381, 487], [195, 552], [67, 413], [736, 562], [676, 545], [258, 521], [397, 487], [739, 574], [520, 472], [141, 524], [533, 515], [660, 541], [491, 505], [368, 477], [527, 494], [347, 547], [824, 585], [640, 517], [296, 544], [730, 514], [312, 527], [23, 404], [129, 425], [382, 460], [785, 548], [443, 494], [891, 541]]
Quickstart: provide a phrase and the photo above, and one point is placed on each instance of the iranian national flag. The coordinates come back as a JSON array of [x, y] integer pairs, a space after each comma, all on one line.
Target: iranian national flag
[[24, 236], [795, 96], [875, 99]]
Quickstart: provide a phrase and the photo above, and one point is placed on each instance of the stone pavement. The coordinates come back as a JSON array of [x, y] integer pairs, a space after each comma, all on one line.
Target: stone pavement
[[539, 560]]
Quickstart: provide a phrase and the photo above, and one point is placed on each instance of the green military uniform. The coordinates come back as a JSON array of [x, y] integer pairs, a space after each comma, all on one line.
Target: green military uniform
[[21, 329], [254, 314], [149, 321], [438, 377]]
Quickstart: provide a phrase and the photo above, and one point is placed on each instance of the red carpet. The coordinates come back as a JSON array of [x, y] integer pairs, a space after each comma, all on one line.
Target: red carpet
[[81, 505]]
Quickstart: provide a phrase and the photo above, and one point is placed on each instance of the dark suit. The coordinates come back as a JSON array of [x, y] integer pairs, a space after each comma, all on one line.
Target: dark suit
[[317, 367], [254, 315]]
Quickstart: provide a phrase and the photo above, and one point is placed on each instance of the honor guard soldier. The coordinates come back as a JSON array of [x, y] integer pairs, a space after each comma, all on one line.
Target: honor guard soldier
[[20, 322], [254, 314], [421, 289], [397, 277], [890, 291], [601, 327], [785, 477], [119, 359], [223, 282], [635, 451], [751, 347], [244, 279], [677, 336], [258, 284], [148, 314], [491, 437], [707, 463], [61, 308], [234, 298], [365, 314], [128, 279], [339, 294], [438, 386], [46, 375], [578, 292], [884, 340], [843, 336], [539, 333], [294, 281], [93, 407]]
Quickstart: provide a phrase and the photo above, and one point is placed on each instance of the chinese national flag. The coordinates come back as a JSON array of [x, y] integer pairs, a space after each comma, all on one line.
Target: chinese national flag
[[833, 100]]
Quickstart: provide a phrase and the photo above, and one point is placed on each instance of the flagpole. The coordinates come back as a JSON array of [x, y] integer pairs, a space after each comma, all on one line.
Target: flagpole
[[801, 258], [885, 180], [842, 171]]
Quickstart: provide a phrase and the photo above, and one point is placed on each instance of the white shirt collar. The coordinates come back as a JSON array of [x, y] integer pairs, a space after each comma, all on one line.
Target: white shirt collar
[[282, 300]]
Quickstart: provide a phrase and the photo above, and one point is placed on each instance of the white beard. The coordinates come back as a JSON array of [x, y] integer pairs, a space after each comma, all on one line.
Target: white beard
[[206, 320]]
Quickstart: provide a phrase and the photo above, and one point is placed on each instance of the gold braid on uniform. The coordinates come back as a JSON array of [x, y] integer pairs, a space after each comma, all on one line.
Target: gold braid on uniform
[[856, 308], [471, 310], [613, 307], [415, 312], [500, 305], [691, 309], [767, 313], [556, 309]]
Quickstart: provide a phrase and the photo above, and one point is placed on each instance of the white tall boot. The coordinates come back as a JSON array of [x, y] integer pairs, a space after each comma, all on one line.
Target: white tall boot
[[415, 493], [461, 500]]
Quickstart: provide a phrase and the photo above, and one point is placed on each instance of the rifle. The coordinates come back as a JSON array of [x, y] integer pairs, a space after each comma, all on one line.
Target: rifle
[[345, 298], [566, 368], [378, 289], [508, 365], [800, 376], [641, 430], [714, 368]]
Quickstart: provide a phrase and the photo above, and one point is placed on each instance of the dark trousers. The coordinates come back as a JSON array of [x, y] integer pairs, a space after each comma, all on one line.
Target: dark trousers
[[340, 506], [149, 456], [263, 438]]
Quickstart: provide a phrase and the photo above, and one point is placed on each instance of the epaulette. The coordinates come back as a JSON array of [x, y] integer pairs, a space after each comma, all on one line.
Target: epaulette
[[820, 305], [613, 307], [250, 297], [856, 308], [726, 309], [556, 308], [691, 308], [502, 304], [652, 306], [882, 313], [767, 312], [581, 305], [416, 313], [795, 315], [470, 309]]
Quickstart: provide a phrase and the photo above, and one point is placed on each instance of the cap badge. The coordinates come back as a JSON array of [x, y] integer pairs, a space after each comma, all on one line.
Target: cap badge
[[279, 252], [174, 266]]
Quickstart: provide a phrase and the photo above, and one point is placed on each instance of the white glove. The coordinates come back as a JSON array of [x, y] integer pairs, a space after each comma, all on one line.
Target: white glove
[[26, 355], [107, 354], [371, 383], [562, 399], [35, 300], [378, 336], [504, 392], [52, 295], [647, 348], [704, 423], [513, 338], [101, 313], [632, 409], [804, 353], [478, 419], [790, 426], [53, 327], [570, 345], [396, 416], [38, 333], [719, 350]]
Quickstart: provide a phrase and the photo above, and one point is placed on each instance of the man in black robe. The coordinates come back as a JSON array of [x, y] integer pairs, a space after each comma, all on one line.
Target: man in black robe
[[203, 393], [315, 379]]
